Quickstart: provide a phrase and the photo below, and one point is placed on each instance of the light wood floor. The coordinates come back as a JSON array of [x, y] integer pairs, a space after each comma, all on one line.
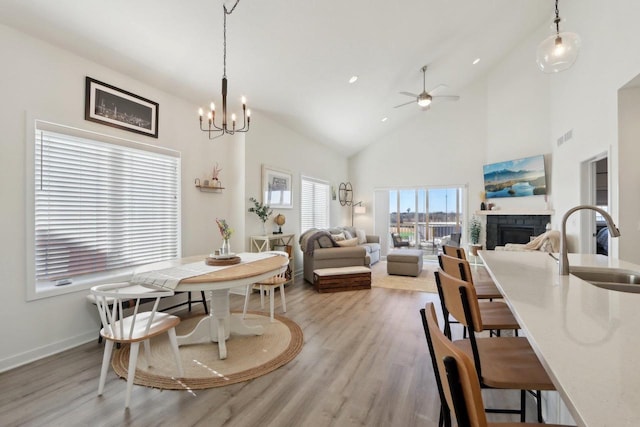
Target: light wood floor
[[365, 362]]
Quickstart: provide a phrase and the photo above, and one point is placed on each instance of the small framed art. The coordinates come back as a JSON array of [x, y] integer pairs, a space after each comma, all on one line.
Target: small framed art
[[277, 188], [118, 108]]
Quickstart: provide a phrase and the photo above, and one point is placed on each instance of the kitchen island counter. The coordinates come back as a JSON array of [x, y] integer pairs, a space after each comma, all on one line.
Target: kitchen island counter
[[586, 337]]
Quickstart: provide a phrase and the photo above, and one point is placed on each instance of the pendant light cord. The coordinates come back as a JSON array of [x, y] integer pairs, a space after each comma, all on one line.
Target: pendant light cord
[[557, 20], [229, 12], [213, 130]]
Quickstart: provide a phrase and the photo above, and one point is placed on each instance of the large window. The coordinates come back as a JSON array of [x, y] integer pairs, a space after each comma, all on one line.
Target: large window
[[426, 216], [100, 206], [314, 204]]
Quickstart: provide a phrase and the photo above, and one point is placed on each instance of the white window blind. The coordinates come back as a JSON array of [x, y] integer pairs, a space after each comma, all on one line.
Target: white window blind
[[101, 206], [314, 204]]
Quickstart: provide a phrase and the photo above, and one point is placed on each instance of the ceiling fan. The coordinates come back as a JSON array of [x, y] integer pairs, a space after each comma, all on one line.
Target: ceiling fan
[[425, 98]]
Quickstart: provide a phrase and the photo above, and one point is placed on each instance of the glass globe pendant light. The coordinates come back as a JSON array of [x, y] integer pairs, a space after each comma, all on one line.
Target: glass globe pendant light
[[559, 51]]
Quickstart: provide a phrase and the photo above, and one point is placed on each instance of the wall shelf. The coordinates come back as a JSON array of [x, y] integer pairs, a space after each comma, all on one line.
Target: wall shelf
[[209, 189]]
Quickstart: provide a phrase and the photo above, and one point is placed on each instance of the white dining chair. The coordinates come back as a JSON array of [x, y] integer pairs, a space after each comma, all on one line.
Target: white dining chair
[[269, 287], [111, 300]]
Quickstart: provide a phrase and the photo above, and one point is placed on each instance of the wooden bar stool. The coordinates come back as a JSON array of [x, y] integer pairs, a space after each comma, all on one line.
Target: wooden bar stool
[[500, 362], [496, 313], [457, 381], [459, 267], [454, 251]]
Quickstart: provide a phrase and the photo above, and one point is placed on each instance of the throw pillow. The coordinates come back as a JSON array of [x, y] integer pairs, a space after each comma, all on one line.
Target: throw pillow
[[351, 230], [339, 236], [348, 242], [362, 236], [325, 242], [348, 235]]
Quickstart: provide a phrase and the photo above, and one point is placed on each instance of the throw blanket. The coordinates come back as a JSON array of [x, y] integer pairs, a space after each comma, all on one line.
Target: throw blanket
[[308, 239], [548, 242]]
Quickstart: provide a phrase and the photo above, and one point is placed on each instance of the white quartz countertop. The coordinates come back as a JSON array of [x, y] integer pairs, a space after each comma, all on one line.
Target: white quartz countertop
[[587, 338]]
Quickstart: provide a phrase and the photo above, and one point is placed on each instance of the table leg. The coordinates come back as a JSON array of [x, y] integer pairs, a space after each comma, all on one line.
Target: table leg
[[222, 342], [219, 325]]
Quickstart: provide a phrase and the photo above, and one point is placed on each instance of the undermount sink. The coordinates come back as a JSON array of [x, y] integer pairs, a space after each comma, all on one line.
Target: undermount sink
[[614, 279]]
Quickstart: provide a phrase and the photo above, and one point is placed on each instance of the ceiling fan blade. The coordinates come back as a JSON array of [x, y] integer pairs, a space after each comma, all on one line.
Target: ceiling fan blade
[[406, 103], [446, 97], [408, 94], [437, 88]]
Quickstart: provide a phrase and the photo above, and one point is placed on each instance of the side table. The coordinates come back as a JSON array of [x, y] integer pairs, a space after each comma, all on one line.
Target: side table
[[269, 242]]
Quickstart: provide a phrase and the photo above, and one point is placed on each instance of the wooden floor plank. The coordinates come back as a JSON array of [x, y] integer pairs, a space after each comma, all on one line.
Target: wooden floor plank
[[364, 362]]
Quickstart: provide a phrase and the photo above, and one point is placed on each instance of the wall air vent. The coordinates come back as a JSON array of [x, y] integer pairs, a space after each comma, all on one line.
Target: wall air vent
[[564, 138]]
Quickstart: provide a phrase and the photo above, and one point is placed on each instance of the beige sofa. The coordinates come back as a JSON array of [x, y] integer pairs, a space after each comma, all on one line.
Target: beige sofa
[[320, 249]]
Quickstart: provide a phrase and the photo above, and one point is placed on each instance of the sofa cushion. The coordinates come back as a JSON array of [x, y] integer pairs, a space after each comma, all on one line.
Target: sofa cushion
[[350, 229], [348, 242], [339, 254], [362, 236], [371, 247]]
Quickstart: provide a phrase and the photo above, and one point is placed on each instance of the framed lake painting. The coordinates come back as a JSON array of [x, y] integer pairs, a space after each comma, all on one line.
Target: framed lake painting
[[515, 178]]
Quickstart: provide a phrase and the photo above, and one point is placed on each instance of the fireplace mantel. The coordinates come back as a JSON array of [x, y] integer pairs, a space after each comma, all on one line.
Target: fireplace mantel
[[512, 212]]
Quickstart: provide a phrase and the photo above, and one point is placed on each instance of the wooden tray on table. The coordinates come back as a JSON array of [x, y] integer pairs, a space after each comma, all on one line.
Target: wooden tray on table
[[215, 261]]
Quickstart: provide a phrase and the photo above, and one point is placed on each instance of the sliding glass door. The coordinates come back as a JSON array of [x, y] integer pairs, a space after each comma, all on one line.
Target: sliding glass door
[[426, 217]]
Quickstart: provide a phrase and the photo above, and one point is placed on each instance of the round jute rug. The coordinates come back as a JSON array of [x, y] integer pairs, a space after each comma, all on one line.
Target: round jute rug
[[248, 357]]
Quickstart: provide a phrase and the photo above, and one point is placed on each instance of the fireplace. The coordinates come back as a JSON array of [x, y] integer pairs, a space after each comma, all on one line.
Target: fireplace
[[503, 229], [514, 234]]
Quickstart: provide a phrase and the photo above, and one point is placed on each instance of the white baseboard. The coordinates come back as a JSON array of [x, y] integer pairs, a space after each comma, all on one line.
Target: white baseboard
[[45, 351]]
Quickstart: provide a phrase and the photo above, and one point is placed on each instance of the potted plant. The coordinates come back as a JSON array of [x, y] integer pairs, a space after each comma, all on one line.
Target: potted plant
[[475, 228], [225, 232], [263, 212]]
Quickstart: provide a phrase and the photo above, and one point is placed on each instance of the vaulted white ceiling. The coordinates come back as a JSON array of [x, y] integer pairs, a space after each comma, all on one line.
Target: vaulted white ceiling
[[292, 58]]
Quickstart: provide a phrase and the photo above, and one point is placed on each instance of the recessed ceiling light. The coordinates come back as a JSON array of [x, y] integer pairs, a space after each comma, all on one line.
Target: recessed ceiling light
[[353, 79], [475, 61], [384, 119]]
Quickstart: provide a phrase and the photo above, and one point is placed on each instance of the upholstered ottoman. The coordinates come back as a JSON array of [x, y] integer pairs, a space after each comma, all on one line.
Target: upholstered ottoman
[[404, 262], [341, 279]]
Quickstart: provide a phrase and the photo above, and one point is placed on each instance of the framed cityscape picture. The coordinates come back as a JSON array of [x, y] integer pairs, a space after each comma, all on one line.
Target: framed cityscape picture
[[118, 108], [277, 190]]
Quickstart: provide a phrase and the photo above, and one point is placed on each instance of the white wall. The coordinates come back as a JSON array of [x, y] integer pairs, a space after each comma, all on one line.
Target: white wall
[[629, 149], [518, 117], [519, 111], [529, 111], [502, 116], [443, 146], [48, 83], [585, 99], [275, 145]]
